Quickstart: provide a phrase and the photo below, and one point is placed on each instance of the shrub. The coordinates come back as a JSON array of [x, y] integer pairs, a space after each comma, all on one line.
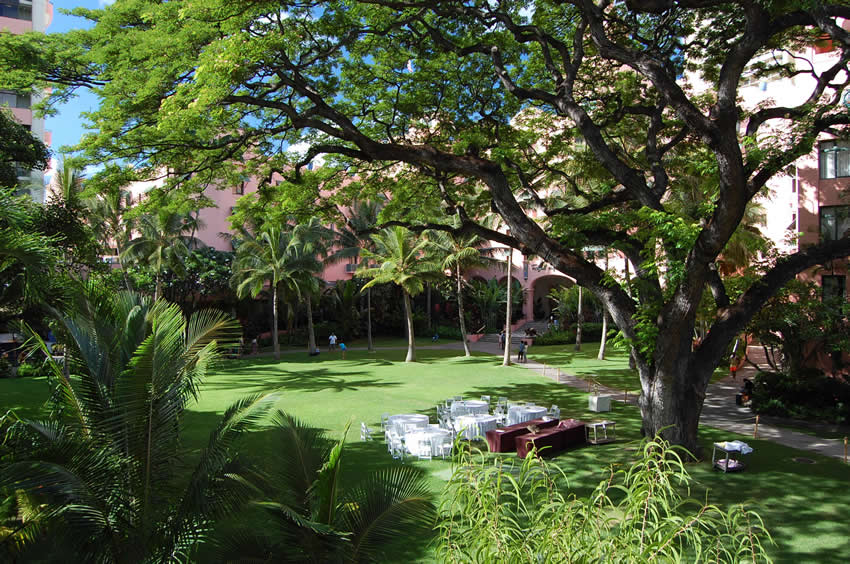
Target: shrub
[[590, 331], [33, 369], [6, 368], [503, 514], [810, 395]]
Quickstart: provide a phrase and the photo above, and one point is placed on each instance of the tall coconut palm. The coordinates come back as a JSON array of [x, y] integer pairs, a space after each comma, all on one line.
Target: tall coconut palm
[[458, 253], [312, 518], [107, 216], [312, 239], [353, 237], [163, 242], [401, 260], [276, 257], [98, 475]]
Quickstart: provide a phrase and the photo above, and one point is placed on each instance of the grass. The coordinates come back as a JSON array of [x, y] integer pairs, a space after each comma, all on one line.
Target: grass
[[803, 505], [613, 372]]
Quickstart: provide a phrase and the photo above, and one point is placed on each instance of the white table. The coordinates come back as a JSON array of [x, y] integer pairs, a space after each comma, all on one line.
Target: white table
[[523, 413], [469, 407], [475, 426], [398, 423], [418, 442]]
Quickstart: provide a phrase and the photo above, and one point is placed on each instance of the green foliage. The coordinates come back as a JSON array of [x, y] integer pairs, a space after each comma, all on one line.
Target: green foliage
[[566, 304], [310, 517], [99, 472], [487, 303], [18, 148], [590, 331], [810, 395], [797, 324], [493, 511]]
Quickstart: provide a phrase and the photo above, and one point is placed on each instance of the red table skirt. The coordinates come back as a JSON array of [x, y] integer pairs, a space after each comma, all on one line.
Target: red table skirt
[[553, 440], [502, 440]]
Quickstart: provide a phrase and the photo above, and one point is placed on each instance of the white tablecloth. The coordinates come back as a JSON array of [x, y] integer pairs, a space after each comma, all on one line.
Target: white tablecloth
[[474, 426], [470, 407], [417, 443], [399, 422], [523, 413]]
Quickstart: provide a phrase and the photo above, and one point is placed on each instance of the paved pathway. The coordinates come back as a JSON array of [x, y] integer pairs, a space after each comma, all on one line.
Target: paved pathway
[[719, 409]]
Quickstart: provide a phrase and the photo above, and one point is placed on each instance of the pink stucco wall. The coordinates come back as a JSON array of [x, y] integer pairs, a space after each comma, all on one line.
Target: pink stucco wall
[[15, 26]]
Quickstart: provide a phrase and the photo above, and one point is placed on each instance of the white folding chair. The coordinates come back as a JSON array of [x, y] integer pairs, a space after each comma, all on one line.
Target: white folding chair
[[554, 412], [396, 446], [441, 446], [385, 420], [485, 398], [457, 398], [424, 450], [365, 432], [500, 415]]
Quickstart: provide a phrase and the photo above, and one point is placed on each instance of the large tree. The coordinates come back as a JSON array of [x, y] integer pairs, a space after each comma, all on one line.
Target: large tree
[[490, 101]]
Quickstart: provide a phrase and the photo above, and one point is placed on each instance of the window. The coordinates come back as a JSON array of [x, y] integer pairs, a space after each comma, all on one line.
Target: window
[[834, 159], [834, 222], [14, 99], [16, 9], [832, 287]]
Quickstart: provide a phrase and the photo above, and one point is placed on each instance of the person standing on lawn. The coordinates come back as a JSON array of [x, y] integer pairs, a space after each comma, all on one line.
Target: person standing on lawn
[[332, 341], [502, 339]]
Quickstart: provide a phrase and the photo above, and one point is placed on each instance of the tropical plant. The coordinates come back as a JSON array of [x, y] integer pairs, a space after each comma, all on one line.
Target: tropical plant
[[500, 513], [458, 253], [101, 476], [310, 517], [401, 260], [27, 257], [353, 237], [163, 242], [276, 257], [489, 298]]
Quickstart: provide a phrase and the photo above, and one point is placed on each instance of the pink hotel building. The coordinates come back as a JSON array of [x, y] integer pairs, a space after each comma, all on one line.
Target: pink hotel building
[[808, 203], [21, 16]]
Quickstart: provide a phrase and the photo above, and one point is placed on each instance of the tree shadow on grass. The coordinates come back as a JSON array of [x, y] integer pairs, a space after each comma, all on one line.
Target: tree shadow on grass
[[319, 380]]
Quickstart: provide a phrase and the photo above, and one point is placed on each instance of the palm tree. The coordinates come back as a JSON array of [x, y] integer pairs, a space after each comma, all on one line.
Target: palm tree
[[99, 475], [458, 253], [107, 216], [351, 239], [276, 257], [401, 260], [313, 519], [163, 242], [69, 180], [312, 239]]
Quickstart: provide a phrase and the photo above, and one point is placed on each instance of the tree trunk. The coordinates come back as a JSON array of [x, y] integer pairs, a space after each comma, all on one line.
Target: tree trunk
[[157, 291], [275, 342], [578, 321], [669, 405], [602, 342], [428, 295], [604, 339], [506, 359], [369, 320], [311, 334], [460, 314], [408, 313]]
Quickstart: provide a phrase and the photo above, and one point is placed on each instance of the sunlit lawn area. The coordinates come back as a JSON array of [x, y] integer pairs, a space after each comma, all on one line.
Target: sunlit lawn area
[[804, 505], [613, 372]]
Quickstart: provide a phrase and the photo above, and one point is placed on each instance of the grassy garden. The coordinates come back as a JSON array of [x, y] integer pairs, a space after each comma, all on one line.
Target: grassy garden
[[802, 504]]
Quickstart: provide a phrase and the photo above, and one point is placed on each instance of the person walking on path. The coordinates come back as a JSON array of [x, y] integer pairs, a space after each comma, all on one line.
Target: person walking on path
[[502, 339], [520, 356], [254, 346], [332, 341]]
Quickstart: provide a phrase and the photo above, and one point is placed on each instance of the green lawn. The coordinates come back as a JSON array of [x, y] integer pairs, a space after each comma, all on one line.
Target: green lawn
[[804, 506], [613, 372]]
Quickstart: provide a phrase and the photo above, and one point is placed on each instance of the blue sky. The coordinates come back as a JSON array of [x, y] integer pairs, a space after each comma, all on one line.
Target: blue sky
[[66, 126]]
